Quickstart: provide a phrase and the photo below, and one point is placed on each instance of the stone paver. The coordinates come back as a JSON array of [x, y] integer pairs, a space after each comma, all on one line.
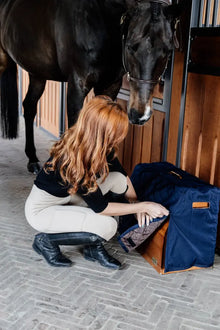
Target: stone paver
[[34, 295]]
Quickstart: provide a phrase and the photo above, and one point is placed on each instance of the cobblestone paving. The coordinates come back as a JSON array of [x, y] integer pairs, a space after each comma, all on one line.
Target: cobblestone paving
[[34, 295]]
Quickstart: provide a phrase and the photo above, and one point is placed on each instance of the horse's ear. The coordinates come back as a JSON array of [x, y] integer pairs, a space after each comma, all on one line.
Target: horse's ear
[[176, 10], [131, 3], [173, 13]]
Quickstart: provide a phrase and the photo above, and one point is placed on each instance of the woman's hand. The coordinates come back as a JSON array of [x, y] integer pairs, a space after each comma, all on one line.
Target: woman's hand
[[145, 211], [149, 211]]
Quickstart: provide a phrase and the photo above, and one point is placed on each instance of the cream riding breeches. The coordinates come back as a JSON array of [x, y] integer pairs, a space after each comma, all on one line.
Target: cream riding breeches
[[50, 214]]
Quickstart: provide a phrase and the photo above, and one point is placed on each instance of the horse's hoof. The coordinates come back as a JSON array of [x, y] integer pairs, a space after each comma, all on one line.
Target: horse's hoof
[[34, 167]]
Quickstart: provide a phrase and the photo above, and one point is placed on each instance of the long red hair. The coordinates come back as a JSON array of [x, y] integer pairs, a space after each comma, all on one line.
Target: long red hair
[[80, 155]]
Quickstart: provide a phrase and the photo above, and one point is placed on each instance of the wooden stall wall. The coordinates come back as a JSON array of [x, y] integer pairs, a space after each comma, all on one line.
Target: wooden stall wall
[[200, 147], [200, 154]]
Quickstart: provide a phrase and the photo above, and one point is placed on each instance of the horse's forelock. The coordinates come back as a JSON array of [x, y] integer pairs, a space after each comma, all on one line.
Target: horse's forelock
[[139, 20], [139, 8]]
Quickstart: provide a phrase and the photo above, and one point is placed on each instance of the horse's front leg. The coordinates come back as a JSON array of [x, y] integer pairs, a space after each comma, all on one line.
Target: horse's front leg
[[76, 93], [35, 90]]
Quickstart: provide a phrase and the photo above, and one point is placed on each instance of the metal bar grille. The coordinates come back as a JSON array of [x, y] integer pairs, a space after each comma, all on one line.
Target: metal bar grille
[[208, 13], [216, 13]]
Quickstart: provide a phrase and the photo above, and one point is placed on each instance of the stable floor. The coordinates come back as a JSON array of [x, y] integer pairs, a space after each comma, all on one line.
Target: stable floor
[[34, 295]]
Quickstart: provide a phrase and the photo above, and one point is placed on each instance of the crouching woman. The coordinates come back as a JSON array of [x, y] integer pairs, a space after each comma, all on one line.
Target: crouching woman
[[71, 200]]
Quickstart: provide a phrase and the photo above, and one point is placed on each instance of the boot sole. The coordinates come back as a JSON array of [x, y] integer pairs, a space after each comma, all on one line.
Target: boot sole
[[94, 260], [36, 249]]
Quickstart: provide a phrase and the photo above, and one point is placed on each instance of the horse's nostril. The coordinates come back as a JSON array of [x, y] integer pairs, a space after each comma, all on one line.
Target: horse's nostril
[[133, 116]]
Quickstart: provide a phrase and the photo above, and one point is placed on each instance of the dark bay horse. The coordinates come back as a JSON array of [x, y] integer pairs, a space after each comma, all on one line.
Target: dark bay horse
[[89, 44]]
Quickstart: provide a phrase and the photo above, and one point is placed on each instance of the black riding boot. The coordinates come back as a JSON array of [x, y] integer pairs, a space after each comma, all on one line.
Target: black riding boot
[[98, 253], [93, 250], [48, 246], [50, 251]]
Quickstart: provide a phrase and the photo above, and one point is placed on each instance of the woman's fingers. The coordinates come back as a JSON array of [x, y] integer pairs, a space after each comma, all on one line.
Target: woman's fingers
[[147, 219], [139, 219], [150, 211], [143, 219]]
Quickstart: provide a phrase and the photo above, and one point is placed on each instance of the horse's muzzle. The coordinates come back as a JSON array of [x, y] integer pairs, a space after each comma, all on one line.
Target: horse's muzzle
[[139, 119]]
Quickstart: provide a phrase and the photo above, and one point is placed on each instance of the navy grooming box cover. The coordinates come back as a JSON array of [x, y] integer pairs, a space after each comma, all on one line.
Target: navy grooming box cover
[[193, 206]]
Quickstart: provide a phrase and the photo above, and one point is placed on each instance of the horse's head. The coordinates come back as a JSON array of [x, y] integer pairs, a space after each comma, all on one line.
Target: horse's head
[[148, 30]]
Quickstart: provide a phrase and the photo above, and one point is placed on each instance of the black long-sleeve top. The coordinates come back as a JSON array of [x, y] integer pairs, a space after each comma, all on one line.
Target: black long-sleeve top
[[52, 183]]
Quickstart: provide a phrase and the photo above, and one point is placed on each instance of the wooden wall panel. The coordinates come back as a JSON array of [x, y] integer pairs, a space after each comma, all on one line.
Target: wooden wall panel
[[175, 107], [157, 136], [137, 145], [147, 142], [204, 11], [50, 107], [218, 16], [210, 130], [128, 150], [201, 145], [25, 82], [192, 123], [122, 146]]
